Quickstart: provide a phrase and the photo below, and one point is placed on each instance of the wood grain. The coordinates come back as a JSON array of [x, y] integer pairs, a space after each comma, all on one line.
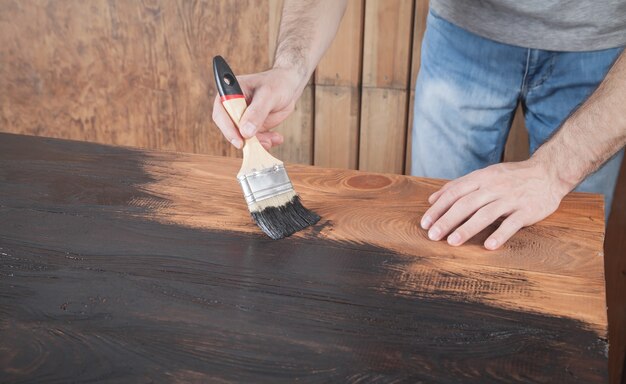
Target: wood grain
[[383, 130], [138, 74], [341, 64], [124, 265], [344, 197], [337, 111], [131, 73], [337, 94], [387, 43], [386, 73]]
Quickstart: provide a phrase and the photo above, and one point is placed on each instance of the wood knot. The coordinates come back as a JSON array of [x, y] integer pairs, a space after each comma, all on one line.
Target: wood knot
[[369, 181]]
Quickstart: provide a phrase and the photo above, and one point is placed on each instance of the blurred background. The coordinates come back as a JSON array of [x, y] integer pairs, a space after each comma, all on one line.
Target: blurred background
[[138, 73]]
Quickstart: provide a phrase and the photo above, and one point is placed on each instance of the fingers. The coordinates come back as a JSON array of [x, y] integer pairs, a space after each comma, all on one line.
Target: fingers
[[269, 103], [432, 198], [256, 113], [270, 139], [508, 228], [445, 201], [277, 138], [225, 124], [479, 221], [521, 192], [462, 208]]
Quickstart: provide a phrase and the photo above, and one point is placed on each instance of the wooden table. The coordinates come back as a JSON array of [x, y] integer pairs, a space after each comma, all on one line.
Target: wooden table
[[128, 265]]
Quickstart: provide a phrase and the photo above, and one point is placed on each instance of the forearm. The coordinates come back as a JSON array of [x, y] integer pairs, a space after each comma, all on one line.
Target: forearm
[[307, 29], [594, 132]]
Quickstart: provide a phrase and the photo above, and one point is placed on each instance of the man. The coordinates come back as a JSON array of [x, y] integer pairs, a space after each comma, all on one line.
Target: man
[[479, 59]]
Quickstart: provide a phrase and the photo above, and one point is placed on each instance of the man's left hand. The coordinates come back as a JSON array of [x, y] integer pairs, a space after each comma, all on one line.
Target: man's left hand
[[524, 192]]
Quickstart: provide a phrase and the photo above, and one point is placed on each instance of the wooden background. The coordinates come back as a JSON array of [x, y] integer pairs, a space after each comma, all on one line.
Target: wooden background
[[138, 73]]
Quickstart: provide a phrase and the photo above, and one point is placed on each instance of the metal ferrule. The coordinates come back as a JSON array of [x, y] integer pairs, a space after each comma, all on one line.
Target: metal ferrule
[[261, 185]]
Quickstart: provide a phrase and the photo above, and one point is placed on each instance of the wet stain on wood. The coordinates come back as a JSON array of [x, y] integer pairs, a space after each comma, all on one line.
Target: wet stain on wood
[[92, 287]]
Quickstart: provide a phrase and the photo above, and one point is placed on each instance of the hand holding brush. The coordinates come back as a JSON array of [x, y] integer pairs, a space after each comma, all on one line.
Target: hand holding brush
[[272, 201]]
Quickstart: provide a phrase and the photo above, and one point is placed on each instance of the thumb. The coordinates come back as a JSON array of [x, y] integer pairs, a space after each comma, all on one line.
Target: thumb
[[256, 113]]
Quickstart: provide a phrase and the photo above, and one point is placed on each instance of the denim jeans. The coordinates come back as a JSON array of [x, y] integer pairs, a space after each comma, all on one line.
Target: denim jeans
[[467, 91]]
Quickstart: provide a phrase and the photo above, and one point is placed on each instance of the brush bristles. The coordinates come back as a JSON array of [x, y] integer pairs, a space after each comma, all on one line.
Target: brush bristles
[[285, 218]]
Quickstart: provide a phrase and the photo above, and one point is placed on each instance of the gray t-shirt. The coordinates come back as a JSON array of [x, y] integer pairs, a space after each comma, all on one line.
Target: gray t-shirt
[[555, 25]]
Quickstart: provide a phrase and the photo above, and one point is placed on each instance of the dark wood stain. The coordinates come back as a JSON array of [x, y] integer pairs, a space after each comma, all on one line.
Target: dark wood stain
[[91, 289]]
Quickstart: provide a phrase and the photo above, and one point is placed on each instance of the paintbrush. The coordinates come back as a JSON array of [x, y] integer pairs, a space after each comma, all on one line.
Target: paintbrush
[[272, 201]]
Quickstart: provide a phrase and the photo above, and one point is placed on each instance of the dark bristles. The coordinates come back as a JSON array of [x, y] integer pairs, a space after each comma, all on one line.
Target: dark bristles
[[285, 220]]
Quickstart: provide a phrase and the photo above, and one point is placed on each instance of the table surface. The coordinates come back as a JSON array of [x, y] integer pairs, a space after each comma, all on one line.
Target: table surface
[[123, 264]]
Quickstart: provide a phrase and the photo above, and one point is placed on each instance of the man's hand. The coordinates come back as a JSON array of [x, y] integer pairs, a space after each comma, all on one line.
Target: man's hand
[[271, 97], [307, 28], [524, 192]]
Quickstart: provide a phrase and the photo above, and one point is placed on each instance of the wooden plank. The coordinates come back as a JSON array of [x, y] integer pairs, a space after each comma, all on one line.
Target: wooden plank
[[408, 158], [383, 130], [387, 43], [615, 263], [517, 146], [336, 126], [337, 94], [275, 9], [386, 62], [419, 28], [143, 265], [341, 65], [131, 73]]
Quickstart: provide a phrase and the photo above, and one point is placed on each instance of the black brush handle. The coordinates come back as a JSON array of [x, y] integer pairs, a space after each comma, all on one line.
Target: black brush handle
[[226, 81]]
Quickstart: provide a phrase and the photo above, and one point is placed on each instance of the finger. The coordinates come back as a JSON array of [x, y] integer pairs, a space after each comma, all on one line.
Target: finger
[[479, 221], [432, 198], [256, 113], [266, 144], [277, 117], [459, 212], [277, 138], [269, 139], [445, 201], [508, 228], [454, 183], [225, 124]]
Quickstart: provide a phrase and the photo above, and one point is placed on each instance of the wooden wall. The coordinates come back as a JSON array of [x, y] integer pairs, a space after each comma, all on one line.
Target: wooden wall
[[124, 72], [138, 73]]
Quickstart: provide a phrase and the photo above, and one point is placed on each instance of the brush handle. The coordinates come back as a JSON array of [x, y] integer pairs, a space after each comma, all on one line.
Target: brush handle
[[228, 87], [225, 79], [255, 157], [231, 94]]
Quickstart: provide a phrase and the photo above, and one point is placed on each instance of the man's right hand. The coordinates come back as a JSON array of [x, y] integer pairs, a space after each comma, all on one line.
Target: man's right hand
[[307, 28], [271, 97]]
